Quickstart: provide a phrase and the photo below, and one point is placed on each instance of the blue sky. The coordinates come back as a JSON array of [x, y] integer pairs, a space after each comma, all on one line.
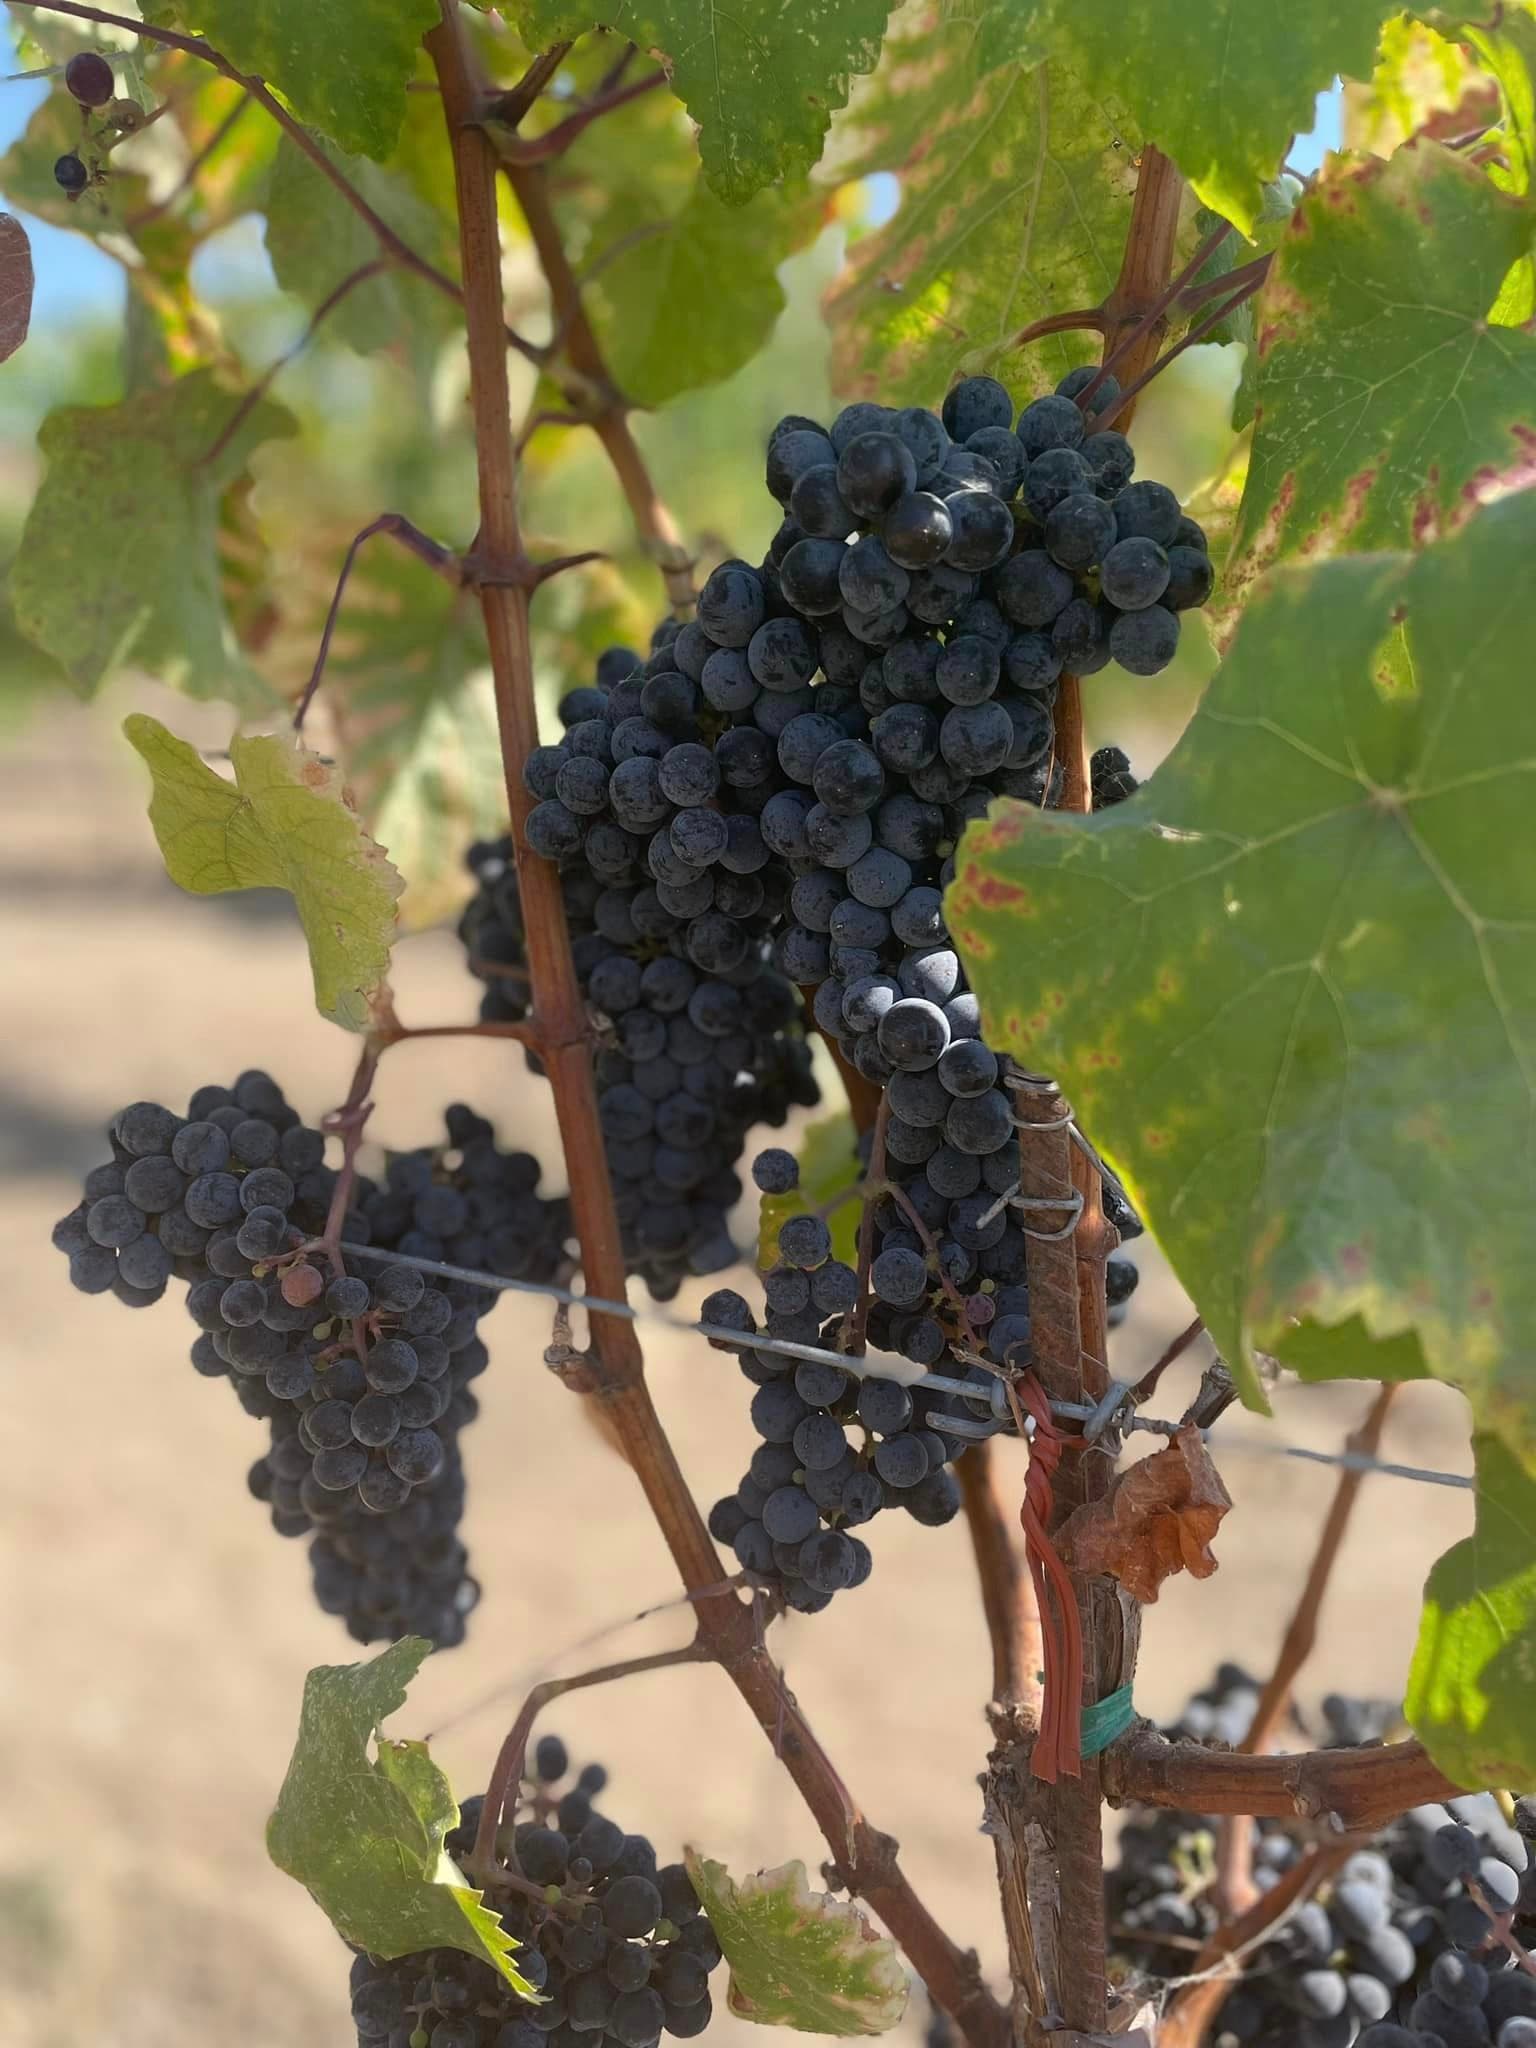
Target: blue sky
[[74, 279]]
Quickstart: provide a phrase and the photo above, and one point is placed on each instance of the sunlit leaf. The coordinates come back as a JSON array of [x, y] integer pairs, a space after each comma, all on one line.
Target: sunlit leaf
[[1375, 311], [1470, 1688], [284, 822], [360, 1822], [1290, 984], [800, 1958], [1016, 195], [829, 1168], [762, 80], [1221, 88]]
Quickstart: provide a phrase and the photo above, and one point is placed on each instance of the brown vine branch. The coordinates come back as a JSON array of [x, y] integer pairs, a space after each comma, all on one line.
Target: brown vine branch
[[1154, 318], [865, 1856], [554, 142], [263, 384], [393, 244], [1363, 1787], [437, 558], [1196, 333], [1234, 1885]]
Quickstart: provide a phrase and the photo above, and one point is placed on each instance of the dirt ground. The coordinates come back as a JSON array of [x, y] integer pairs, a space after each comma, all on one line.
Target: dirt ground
[[156, 1631]]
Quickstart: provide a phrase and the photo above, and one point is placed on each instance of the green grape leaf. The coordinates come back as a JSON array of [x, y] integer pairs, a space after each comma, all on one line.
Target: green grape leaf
[[1289, 985], [1221, 88], [285, 822], [762, 80], [799, 1958], [1016, 188], [693, 297], [118, 561], [15, 285], [1387, 406], [342, 65], [316, 241], [1474, 1667], [1506, 47], [829, 1167], [364, 1834]]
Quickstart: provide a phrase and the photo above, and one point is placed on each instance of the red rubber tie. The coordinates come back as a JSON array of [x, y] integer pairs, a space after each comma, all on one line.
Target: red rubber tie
[[1058, 1748]]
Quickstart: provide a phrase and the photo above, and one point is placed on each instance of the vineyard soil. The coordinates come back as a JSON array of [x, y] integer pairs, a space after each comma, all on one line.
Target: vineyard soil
[[142, 1745]]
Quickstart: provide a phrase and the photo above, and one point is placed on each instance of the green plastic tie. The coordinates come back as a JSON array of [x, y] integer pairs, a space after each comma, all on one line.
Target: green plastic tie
[[1105, 1721]]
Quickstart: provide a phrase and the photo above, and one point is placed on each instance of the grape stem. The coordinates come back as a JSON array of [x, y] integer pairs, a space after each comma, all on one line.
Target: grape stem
[[854, 1336], [865, 1857], [397, 1034], [1154, 317], [488, 1867], [1503, 1930], [1175, 1349], [1190, 2012]]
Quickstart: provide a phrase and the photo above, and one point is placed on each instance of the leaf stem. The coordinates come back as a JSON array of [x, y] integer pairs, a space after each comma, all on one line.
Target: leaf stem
[[437, 558], [509, 1769], [1196, 333], [555, 141], [1155, 316]]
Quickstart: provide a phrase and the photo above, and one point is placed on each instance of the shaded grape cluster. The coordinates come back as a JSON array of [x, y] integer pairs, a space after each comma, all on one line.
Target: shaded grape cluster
[[616, 1946], [1393, 1952], [701, 1038], [361, 1377]]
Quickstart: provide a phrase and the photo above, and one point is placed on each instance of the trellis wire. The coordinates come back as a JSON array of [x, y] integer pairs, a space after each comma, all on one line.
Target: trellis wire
[[864, 1366]]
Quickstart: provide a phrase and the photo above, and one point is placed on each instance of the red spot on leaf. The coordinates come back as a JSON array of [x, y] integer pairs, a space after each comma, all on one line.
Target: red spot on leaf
[[1356, 492], [1354, 1261], [1155, 1141], [993, 893]]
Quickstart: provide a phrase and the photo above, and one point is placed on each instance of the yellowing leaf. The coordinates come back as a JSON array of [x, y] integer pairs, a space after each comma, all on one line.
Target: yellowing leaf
[[829, 1166], [285, 822], [800, 1958]]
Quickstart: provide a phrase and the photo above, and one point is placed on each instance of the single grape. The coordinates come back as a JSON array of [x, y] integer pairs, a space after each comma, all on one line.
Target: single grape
[[70, 175]]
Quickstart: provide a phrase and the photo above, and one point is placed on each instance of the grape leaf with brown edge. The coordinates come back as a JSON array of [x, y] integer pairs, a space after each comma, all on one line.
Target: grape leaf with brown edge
[[1016, 194], [342, 65], [118, 561], [799, 1958], [1387, 406], [762, 80], [286, 821], [364, 1833], [1220, 88], [1289, 986], [1474, 1668]]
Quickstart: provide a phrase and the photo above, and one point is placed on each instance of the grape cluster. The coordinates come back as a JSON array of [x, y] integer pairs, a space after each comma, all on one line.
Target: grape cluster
[[89, 82], [791, 1517], [618, 1949], [669, 908], [1392, 1953], [361, 1379]]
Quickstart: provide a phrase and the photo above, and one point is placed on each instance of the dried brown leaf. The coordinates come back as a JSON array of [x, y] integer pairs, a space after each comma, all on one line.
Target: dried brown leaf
[[1158, 1518]]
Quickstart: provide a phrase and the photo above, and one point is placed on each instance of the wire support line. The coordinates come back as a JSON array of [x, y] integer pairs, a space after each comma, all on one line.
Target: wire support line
[[885, 1366]]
